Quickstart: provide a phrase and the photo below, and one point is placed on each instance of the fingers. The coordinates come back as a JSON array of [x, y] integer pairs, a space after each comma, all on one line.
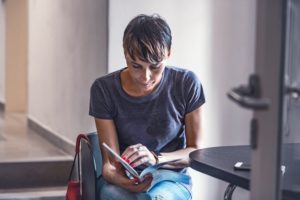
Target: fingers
[[129, 151], [140, 161], [137, 155], [135, 186], [145, 185]]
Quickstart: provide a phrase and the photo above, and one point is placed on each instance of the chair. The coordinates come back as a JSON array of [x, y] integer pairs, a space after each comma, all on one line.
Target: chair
[[91, 167]]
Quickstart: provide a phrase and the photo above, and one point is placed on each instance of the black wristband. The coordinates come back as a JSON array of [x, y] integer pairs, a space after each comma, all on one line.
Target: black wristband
[[156, 156]]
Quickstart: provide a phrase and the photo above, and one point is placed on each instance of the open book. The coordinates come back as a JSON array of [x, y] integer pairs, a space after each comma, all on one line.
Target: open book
[[157, 177]]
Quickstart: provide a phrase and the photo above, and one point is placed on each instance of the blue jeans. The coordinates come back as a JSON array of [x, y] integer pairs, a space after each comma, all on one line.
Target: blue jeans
[[165, 190]]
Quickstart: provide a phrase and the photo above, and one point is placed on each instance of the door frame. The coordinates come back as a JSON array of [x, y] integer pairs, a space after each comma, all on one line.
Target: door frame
[[269, 61]]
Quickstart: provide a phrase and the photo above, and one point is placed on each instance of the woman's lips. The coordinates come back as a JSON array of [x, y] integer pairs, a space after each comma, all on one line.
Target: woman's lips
[[148, 84]]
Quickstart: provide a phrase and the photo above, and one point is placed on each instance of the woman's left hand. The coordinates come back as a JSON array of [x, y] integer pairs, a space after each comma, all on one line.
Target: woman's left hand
[[138, 154]]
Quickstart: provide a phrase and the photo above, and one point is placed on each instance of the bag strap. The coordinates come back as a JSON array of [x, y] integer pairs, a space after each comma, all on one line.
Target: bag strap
[[77, 154], [79, 137]]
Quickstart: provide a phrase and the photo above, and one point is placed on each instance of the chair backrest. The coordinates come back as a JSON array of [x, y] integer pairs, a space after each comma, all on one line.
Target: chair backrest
[[91, 166], [94, 141]]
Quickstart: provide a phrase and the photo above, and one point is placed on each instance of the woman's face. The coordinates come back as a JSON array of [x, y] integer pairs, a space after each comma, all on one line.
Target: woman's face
[[145, 76]]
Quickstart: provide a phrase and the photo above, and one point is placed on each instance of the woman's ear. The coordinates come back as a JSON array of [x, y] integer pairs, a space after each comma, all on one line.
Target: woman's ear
[[169, 53]]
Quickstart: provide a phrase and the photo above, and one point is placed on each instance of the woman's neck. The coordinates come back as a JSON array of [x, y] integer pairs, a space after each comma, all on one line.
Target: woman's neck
[[130, 87]]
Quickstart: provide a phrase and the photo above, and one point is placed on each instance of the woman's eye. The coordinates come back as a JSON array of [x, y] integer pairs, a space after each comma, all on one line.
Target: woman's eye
[[136, 66], [154, 67]]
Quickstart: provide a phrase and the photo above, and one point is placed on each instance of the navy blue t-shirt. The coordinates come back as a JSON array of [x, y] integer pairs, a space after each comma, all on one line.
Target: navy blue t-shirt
[[156, 120]]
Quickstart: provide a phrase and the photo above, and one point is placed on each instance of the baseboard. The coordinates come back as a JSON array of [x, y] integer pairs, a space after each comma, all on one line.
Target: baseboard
[[2, 106], [52, 137]]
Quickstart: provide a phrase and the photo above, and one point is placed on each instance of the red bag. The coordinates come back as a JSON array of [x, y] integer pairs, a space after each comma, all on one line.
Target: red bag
[[73, 189]]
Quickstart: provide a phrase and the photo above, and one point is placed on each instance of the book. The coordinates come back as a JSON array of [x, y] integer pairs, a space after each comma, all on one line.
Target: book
[[153, 170]]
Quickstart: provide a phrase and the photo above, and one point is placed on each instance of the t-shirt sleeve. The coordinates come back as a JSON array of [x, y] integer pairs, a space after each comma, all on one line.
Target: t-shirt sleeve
[[101, 105], [194, 95]]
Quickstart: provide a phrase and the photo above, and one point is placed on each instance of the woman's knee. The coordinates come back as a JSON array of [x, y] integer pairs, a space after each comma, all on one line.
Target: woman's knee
[[168, 190], [108, 191]]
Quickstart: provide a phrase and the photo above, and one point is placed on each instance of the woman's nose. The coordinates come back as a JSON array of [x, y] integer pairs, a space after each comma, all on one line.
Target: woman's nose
[[146, 75]]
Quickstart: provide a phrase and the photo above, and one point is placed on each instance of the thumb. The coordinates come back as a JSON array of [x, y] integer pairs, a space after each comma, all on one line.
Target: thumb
[[148, 178], [134, 180]]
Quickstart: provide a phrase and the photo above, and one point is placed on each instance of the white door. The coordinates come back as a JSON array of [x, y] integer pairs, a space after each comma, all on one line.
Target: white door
[[273, 93], [267, 122]]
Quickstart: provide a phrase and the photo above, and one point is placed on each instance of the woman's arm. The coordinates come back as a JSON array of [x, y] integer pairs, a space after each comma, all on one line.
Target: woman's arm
[[112, 171], [193, 132]]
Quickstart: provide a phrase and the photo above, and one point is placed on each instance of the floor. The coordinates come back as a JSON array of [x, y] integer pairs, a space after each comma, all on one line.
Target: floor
[[19, 144], [34, 194]]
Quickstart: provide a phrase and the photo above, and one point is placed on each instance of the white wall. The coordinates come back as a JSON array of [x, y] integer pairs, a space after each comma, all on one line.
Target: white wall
[[67, 51], [215, 39], [2, 48]]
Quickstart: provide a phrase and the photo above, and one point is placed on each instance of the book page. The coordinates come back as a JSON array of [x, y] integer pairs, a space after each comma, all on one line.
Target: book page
[[121, 160]]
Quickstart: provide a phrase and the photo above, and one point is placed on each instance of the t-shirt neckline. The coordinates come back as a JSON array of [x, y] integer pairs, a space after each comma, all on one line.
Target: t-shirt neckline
[[141, 99]]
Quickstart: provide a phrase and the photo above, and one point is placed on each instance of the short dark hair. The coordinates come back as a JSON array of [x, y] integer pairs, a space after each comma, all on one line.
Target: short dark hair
[[147, 37]]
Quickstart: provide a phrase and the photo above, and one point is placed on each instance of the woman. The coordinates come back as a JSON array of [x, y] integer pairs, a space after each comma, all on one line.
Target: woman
[[148, 112]]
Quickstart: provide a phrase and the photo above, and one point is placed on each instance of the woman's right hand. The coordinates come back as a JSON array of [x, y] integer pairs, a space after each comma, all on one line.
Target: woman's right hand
[[115, 174], [112, 171]]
